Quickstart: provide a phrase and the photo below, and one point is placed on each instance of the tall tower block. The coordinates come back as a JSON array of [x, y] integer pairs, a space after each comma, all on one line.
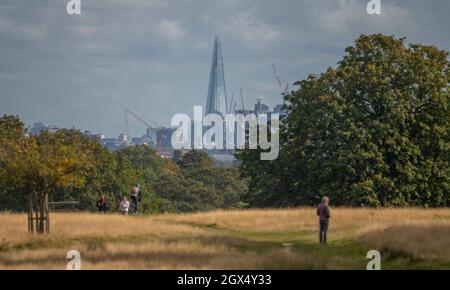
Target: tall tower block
[[216, 102]]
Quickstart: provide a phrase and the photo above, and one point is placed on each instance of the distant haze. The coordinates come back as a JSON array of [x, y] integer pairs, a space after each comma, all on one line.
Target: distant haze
[[153, 56]]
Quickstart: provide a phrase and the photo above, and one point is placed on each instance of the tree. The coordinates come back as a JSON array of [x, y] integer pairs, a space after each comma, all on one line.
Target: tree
[[196, 184], [141, 165], [69, 166], [373, 131], [38, 166], [11, 135]]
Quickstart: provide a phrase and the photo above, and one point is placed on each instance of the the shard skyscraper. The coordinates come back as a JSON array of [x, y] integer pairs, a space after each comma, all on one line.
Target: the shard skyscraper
[[217, 93]]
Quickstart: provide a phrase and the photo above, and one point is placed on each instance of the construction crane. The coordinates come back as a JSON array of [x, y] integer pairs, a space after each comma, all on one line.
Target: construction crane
[[242, 101], [140, 119], [231, 104], [284, 90], [160, 134], [127, 128]]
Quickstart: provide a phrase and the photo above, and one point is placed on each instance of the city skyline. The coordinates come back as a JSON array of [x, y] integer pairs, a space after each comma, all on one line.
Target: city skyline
[[37, 127], [154, 57]]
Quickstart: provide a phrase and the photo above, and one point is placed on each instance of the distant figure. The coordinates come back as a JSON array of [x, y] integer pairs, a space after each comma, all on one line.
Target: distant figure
[[136, 198], [323, 211], [102, 204], [124, 206]]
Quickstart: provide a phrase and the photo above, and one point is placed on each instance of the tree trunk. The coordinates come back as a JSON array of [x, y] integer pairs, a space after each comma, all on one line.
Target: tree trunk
[[30, 213], [47, 216], [41, 214], [38, 214], [36, 211]]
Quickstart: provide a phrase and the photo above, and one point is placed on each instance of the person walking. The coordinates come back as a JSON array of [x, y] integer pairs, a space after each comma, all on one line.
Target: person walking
[[136, 198], [323, 211], [102, 204], [124, 206]]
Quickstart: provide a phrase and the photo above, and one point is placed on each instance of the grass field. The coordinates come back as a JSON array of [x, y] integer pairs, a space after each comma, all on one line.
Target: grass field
[[253, 239]]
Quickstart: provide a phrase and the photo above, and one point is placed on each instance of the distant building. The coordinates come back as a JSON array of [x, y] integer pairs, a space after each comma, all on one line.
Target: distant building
[[150, 137], [112, 144], [244, 112], [27, 132], [216, 101], [138, 141], [37, 128], [52, 128], [278, 109], [123, 138], [99, 137], [260, 108], [164, 142], [110, 140]]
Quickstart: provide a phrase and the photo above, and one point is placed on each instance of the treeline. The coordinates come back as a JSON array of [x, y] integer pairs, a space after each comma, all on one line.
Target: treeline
[[68, 166], [374, 131]]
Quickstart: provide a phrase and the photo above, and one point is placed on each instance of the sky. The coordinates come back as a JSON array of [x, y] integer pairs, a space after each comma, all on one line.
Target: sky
[[153, 57]]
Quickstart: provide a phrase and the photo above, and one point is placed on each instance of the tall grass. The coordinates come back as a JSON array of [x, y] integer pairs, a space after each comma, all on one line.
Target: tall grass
[[250, 239]]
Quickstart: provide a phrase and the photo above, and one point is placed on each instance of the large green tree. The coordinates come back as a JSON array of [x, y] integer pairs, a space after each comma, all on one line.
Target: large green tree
[[374, 131]]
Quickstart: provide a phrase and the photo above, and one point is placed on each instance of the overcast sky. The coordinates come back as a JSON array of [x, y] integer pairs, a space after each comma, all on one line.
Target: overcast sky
[[153, 56]]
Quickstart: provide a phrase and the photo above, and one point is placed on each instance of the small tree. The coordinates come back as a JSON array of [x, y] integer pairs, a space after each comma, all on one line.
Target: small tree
[[40, 165]]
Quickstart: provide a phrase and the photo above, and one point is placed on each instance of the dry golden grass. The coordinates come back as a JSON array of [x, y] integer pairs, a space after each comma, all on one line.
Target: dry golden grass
[[295, 219], [251, 239], [423, 241]]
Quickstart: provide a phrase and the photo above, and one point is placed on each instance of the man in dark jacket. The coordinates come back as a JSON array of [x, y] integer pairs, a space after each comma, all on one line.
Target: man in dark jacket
[[323, 211], [102, 204], [136, 198]]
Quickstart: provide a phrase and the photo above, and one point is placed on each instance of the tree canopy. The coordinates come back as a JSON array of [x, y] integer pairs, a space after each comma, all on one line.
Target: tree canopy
[[68, 166], [373, 131]]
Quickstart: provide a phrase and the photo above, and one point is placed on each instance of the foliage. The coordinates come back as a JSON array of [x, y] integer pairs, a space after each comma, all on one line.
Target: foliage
[[374, 132], [68, 166], [196, 184]]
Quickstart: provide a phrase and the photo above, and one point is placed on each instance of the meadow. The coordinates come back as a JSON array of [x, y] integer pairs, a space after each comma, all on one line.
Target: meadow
[[247, 239]]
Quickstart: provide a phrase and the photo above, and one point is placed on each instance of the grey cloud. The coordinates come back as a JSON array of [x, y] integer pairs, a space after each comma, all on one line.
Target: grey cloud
[[153, 56]]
